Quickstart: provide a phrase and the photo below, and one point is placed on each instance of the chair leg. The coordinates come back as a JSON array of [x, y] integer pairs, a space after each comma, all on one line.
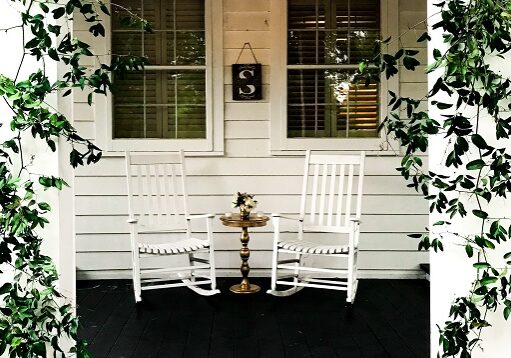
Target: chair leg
[[137, 286], [352, 281], [273, 285], [296, 271], [212, 272], [192, 271]]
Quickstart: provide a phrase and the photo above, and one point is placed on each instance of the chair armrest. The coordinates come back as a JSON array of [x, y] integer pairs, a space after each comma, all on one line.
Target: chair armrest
[[200, 216], [295, 218]]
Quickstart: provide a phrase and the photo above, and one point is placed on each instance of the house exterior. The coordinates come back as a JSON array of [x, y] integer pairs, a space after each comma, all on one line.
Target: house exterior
[[246, 145], [246, 153]]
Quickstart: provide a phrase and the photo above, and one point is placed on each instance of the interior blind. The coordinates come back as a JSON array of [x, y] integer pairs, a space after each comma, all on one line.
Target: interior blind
[[168, 98], [326, 41]]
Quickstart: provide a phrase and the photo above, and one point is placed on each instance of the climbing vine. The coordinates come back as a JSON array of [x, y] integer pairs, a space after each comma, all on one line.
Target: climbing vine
[[475, 34], [34, 316]]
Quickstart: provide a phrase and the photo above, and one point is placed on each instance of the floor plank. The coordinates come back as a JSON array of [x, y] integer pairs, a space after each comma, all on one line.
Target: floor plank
[[390, 318]]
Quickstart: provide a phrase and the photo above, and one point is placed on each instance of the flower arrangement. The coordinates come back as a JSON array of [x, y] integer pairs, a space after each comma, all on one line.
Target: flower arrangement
[[245, 202]]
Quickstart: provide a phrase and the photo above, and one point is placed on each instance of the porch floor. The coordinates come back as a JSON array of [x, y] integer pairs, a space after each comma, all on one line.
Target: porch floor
[[390, 318]]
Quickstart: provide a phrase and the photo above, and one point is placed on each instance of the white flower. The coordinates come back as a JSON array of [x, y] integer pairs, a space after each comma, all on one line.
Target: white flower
[[251, 203]]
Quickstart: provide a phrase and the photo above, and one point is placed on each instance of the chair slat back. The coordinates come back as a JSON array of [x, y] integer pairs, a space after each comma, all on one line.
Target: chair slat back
[[157, 189], [332, 189]]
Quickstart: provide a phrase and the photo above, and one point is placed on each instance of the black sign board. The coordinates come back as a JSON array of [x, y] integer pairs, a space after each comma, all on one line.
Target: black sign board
[[246, 82]]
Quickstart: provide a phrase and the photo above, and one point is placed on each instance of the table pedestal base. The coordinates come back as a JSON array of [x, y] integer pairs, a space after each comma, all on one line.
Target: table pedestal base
[[241, 288]]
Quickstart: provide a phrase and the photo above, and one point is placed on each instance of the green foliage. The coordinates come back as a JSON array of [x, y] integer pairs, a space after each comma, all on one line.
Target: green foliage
[[34, 315], [473, 33]]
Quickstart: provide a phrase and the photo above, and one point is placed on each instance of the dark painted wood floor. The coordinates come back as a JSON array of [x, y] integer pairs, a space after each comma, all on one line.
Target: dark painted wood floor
[[390, 318]]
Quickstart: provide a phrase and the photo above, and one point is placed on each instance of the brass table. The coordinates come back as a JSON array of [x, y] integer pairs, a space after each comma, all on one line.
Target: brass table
[[253, 221]]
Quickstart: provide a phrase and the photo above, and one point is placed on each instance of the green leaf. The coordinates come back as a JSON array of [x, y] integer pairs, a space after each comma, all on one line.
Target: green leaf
[[443, 106], [479, 141], [475, 164], [44, 206], [6, 287], [104, 9], [469, 250], [410, 63], [59, 12], [480, 213], [361, 67], [507, 312], [44, 7], [481, 265], [425, 36], [53, 54], [487, 280]]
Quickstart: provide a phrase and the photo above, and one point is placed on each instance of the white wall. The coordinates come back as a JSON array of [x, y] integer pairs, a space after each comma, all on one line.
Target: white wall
[[390, 210], [44, 161], [451, 271]]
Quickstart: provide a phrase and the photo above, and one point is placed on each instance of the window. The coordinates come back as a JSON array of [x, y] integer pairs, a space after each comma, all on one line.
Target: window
[[325, 104], [170, 104], [168, 98], [326, 41]]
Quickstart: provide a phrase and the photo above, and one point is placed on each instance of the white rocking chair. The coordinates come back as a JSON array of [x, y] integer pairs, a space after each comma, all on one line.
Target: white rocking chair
[[157, 206], [327, 199]]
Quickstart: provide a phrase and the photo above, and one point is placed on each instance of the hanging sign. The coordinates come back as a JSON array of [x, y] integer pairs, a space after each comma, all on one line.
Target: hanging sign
[[246, 79]]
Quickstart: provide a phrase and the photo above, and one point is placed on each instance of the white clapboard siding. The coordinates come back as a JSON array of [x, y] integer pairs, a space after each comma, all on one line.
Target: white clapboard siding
[[116, 224], [372, 204], [215, 166], [228, 184], [390, 209]]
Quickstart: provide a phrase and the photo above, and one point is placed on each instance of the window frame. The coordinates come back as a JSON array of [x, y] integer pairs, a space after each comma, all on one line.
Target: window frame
[[213, 144], [280, 143]]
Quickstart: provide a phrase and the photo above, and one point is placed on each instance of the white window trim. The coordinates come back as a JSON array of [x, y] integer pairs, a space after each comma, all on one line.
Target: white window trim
[[280, 144], [213, 144]]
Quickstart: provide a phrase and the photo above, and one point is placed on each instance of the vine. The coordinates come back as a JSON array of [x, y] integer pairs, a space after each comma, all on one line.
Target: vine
[[474, 32], [34, 316]]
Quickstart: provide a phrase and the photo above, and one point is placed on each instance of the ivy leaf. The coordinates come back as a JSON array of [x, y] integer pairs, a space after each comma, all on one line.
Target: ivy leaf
[[6, 287], [507, 312], [469, 250], [475, 164], [487, 280], [479, 141], [53, 54], [443, 106], [59, 12], [480, 214], [425, 36], [104, 9], [410, 63], [481, 265]]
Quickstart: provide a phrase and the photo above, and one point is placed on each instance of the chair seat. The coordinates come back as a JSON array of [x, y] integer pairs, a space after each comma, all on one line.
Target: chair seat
[[178, 247], [308, 247]]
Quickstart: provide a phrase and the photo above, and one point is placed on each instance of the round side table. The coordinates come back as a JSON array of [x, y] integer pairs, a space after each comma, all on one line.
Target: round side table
[[235, 220]]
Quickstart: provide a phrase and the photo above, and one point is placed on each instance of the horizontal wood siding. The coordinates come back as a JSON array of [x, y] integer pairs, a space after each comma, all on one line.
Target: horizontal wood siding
[[390, 210]]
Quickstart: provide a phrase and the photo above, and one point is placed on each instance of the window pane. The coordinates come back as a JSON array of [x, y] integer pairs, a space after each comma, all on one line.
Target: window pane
[[186, 96], [161, 103], [332, 32], [173, 105], [186, 48], [330, 103]]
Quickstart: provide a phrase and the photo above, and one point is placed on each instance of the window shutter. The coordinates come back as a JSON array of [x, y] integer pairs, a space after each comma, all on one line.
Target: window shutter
[[167, 99], [326, 41]]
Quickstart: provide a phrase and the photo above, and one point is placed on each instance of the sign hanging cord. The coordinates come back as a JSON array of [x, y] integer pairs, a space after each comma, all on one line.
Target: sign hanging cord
[[247, 44]]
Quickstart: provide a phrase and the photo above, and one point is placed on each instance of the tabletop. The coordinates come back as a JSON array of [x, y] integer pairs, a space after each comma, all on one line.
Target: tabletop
[[253, 221]]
